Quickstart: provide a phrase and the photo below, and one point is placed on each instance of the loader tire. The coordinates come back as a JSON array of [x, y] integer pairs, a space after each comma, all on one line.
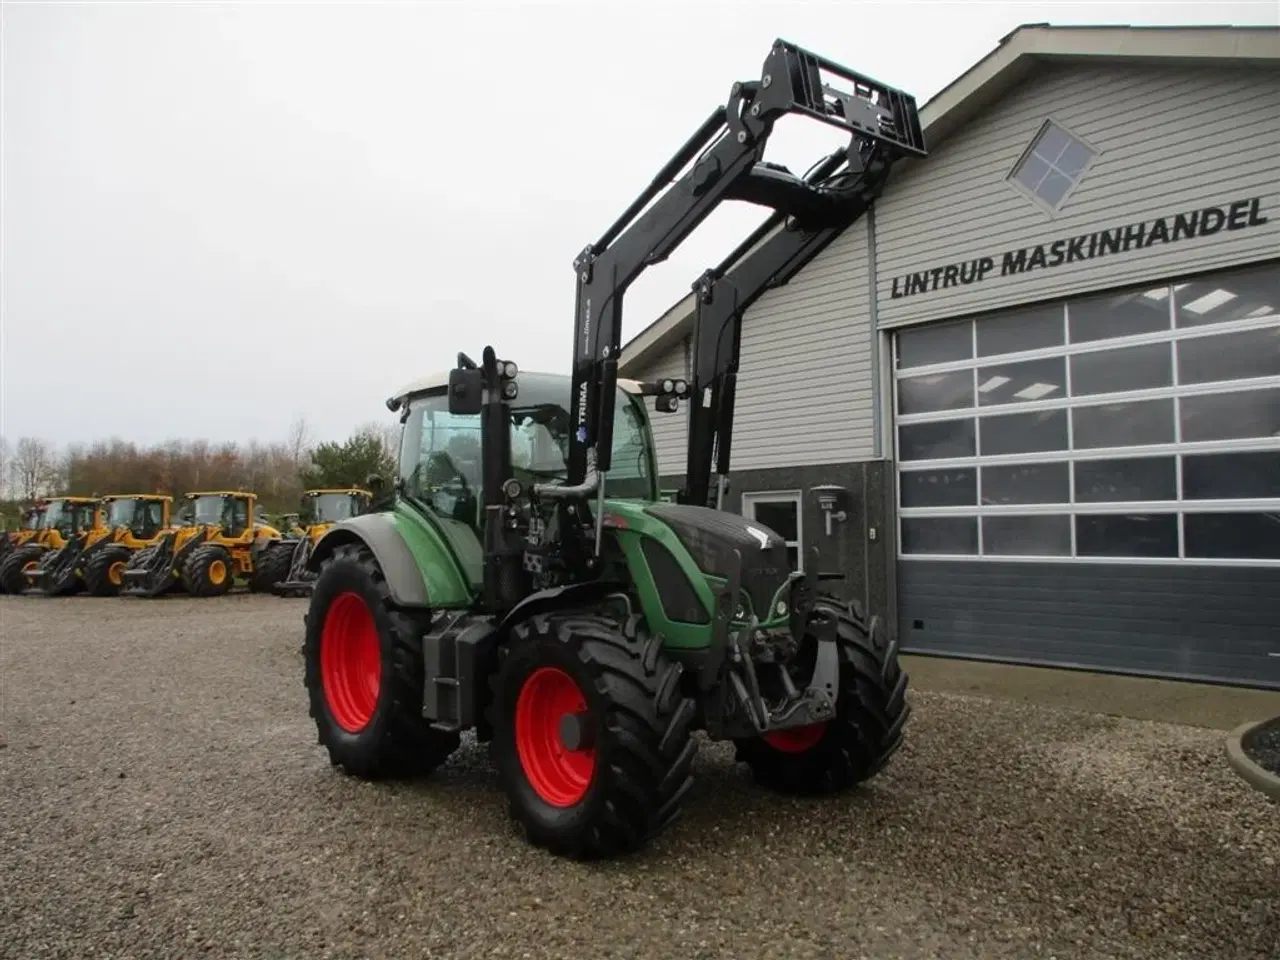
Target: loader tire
[[104, 573], [11, 570], [364, 674], [270, 566], [605, 785], [208, 571], [871, 711]]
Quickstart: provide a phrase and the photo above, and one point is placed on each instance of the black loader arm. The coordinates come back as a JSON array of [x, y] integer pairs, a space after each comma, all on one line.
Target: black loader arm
[[770, 257], [725, 155]]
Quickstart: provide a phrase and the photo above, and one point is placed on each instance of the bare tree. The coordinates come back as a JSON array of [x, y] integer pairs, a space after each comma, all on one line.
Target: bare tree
[[33, 468], [6, 461], [299, 443]]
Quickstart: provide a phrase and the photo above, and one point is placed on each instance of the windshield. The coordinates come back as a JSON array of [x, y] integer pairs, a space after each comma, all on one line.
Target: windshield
[[440, 452], [332, 507], [206, 509], [56, 516], [143, 517], [120, 512]]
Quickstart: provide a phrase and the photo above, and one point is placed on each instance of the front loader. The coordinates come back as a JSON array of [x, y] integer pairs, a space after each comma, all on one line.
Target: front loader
[[284, 564], [217, 540], [527, 581], [63, 521]]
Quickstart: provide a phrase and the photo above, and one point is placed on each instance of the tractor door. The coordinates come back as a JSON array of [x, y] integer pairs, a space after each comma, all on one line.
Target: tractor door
[[148, 519], [235, 517], [440, 469]]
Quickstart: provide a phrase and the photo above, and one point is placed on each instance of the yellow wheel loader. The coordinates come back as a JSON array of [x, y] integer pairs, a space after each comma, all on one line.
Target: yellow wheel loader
[[218, 539], [28, 527], [286, 561], [65, 521], [134, 522]]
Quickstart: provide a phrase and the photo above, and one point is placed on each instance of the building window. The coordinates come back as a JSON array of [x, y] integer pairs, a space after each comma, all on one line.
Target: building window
[[1053, 165], [1129, 426], [781, 513]]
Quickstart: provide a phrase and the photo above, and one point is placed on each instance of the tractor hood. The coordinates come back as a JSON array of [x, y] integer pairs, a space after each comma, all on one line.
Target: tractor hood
[[711, 537]]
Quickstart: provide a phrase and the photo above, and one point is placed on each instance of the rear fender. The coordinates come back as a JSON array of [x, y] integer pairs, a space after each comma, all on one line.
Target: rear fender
[[560, 598], [420, 569]]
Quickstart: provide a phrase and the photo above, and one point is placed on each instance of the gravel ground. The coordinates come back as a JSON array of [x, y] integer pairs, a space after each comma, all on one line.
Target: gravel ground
[[1263, 748], [162, 795]]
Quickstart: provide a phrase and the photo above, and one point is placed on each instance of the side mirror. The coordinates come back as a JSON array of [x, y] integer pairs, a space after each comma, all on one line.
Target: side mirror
[[466, 391]]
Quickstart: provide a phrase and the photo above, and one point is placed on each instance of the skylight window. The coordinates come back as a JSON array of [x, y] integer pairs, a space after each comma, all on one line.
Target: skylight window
[[1053, 165]]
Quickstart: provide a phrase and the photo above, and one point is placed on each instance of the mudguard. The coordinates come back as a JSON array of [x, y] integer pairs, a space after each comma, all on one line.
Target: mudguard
[[411, 554]]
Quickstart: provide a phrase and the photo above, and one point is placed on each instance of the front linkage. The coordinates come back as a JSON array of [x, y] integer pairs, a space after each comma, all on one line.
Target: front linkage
[[157, 569], [59, 572], [299, 580]]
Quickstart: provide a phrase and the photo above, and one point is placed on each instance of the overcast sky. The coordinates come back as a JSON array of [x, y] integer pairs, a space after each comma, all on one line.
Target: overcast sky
[[219, 217]]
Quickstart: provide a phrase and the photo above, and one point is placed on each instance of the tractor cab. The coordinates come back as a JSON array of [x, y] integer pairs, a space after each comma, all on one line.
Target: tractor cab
[[441, 468], [64, 517], [332, 505], [139, 517], [232, 512]]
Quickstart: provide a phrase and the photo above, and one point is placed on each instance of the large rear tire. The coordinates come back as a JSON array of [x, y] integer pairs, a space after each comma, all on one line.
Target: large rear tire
[[616, 775], [871, 711], [14, 567], [104, 573], [208, 571], [365, 674]]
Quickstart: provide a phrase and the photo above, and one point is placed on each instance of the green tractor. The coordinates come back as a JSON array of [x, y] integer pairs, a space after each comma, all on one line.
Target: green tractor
[[526, 580]]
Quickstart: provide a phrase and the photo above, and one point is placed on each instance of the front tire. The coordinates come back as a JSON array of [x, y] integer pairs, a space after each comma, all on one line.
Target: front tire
[[208, 571], [104, 573], [616, 776], [871, 711], [364, 674]]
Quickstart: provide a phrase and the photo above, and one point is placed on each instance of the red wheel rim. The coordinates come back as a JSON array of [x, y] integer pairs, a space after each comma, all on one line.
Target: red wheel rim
[[796, 739], [558, 775], [350, 661]]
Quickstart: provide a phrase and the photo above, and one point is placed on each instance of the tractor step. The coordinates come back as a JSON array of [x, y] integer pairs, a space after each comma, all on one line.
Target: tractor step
[[454, 653]]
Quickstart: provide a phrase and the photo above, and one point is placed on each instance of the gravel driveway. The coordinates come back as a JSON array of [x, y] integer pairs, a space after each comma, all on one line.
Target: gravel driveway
[[162, 795]]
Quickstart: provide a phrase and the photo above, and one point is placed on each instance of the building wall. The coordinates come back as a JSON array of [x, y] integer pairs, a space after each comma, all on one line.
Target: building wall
[[670, 430], [805, 382], [1171, 140]]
